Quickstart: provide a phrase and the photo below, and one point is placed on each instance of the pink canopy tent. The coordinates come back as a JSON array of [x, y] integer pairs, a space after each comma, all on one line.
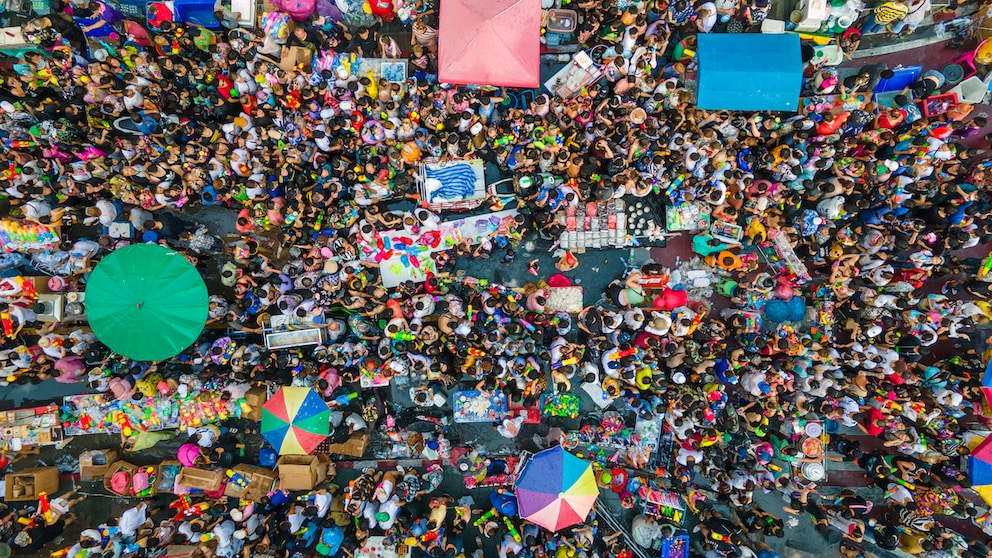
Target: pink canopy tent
[[490, 42]]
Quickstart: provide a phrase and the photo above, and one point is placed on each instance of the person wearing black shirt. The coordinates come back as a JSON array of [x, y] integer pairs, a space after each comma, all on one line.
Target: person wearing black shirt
[[925, 86], [64, 25], [40, 535], [168, 226], [366, 41], [306, 38], [867, 78]]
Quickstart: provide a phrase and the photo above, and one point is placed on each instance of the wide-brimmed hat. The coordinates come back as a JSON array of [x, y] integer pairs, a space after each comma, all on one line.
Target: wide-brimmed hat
[[638, 116]]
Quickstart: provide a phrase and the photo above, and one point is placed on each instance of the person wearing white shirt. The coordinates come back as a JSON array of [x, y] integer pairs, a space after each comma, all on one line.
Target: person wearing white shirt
[[508, 545], [224, 533], [322, 501], [185, 529], [132, 519], [139, 216], [898, 494], [388, 512], [295, 519], [251, 525]]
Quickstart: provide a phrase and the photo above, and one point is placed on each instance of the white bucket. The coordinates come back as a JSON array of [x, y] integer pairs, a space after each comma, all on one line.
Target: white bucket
[[813, 471]]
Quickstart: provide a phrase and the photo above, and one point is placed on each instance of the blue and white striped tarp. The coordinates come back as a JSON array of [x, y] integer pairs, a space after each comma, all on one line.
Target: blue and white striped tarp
[[458, 181]]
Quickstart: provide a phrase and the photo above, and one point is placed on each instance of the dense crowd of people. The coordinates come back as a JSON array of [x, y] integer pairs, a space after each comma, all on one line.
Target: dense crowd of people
[[108, 122]]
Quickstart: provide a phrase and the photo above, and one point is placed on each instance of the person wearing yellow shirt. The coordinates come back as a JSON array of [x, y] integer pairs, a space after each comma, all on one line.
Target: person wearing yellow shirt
[[885, 14]]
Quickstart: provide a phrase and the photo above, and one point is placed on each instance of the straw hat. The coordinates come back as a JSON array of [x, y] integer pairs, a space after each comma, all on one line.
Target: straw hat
[[638, 116]]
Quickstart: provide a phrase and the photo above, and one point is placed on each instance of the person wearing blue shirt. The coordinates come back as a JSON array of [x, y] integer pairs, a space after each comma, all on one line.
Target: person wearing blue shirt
[[144, 124], [331, 538]]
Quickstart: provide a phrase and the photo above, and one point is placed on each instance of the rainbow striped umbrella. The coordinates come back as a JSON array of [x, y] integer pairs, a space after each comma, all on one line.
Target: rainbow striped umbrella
[[556, 489], [295, 420]]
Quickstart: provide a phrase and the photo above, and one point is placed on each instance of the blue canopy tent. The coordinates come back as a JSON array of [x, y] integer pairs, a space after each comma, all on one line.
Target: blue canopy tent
[[744, 71]]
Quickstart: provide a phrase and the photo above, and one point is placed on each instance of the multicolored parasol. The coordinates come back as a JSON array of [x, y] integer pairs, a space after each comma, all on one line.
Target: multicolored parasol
[[556, 489], [295, 420]]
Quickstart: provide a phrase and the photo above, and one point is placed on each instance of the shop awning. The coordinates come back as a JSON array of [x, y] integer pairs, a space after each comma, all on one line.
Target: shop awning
[[490, 42], [743, 71]]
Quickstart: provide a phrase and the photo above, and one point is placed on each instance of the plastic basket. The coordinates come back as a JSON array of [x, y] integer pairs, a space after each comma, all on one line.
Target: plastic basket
[[555, 39], [131, 8], [41, 7]]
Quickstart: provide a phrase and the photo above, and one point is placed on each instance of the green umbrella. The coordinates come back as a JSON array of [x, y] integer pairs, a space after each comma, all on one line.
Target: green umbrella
[[146, 302]]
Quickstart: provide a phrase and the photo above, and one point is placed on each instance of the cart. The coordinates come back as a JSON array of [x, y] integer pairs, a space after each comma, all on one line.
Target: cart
[[811, 443], [779, 254], [663, 505], [285, 331], [455, 185], [675, 547]]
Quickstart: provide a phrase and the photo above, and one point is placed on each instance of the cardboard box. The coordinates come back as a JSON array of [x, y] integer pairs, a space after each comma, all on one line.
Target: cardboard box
[[168, 474], [255, 398], [302, 472], [40, 283], [297, 55], [94, 463], [260, 482], [200, 479], [118, 465], [354, 446], [27, 484]]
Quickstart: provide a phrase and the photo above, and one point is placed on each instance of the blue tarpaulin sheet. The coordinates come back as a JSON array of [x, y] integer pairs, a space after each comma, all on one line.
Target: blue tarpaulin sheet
[[744, 71]]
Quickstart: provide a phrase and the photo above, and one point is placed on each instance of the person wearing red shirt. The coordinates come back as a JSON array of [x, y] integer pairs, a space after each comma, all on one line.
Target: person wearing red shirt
[[890, 118], [831, 123], [874, 424]]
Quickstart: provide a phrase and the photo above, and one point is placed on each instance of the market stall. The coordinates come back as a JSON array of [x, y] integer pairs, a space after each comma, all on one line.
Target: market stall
[[295, 420], [30, 427], [475, 406], [452, 185], [18, 236]]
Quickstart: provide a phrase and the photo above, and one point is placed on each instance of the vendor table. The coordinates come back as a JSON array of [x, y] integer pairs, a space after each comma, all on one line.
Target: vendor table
[[560, 405], [687, 217], [299, 338], [372, 379], [36, 426], [374, 548], [580, 72], [472, 406], [16, 236], [650, 430], [406, 256], [97, 413]]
